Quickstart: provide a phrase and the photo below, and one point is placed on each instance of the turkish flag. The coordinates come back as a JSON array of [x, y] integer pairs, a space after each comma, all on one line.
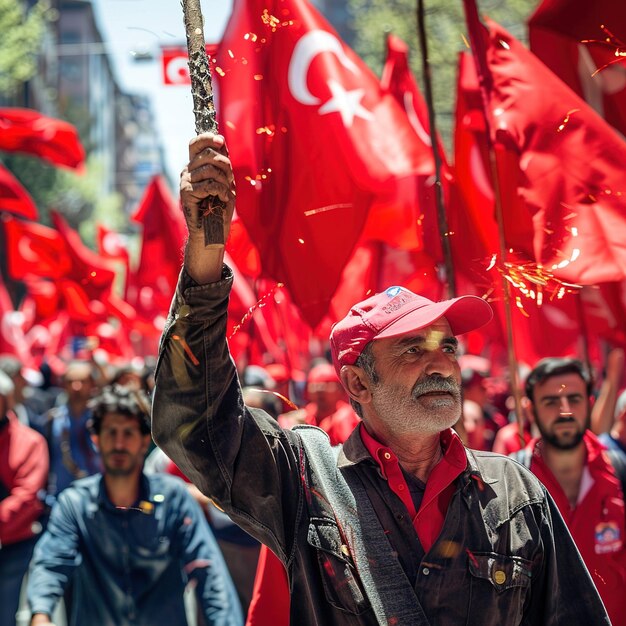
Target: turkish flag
[[14, 198], [313, 139], [175, 65], [53, 140], [568, 36]]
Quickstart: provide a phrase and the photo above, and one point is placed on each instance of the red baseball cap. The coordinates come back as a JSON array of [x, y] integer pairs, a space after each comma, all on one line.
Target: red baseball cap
[[397, 311]]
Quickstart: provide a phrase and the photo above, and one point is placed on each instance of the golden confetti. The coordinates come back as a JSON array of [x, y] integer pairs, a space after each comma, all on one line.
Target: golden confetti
[[250, 36], [610, 41], [566, 120], [259, 305]]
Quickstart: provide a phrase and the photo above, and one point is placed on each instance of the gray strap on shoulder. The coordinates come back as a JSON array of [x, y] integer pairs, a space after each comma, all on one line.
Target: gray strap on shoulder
[[388, 589]]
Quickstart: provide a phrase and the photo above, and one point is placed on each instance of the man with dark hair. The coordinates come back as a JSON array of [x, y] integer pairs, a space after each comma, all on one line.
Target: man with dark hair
[[402, 525], [133, 540], [65, 427], [571, 462]]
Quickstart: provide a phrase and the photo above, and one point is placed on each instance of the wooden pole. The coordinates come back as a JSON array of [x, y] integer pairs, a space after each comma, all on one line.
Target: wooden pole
[[442, 218], [203, 108], [484, 78]]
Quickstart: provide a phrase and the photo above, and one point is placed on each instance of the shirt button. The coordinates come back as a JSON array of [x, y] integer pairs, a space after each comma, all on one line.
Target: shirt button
[[387, 455], [425, 571]]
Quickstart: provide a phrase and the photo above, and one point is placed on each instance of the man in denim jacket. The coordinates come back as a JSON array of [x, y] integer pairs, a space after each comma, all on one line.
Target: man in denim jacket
[[403, 525], [130, 541]]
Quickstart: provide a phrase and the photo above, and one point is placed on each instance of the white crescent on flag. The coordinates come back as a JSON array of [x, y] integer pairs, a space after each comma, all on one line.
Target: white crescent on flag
[[345, 102]]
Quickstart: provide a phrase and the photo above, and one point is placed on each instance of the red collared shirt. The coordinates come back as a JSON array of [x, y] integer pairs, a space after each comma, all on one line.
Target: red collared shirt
[[597, 522], [428, 521]]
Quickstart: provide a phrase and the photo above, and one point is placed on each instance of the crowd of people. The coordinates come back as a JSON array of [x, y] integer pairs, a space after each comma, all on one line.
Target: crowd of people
[[367, 493]]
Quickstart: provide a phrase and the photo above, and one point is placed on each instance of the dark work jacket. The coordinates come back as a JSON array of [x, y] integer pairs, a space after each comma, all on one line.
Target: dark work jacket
[[504, 555], [131, 565]]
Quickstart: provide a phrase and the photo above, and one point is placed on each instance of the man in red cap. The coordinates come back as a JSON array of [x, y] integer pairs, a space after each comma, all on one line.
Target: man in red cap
[[402, 525], [327, 405]]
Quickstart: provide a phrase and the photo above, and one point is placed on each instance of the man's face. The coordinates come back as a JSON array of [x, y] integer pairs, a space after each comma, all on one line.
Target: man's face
[[325, 394], [122, 445], [79, 386], [561, 410], [418, 388]]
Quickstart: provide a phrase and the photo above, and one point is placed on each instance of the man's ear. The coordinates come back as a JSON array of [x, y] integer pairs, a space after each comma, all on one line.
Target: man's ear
[[527, 409], [356, 383], [96, 440]]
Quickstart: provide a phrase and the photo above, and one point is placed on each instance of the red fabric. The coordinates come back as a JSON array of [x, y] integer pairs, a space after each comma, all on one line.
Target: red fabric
[[55, 141], [473, 220], [14, 198], [24, 471], [570, 165], [507, 439], [428, 521], [602, 505], [34, 250], [151, 285], [557, 30], [285, 136], [270, 594], [87, 267]]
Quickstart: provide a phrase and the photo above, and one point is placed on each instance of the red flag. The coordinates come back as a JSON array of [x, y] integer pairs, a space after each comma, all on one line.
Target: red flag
[[582, 43], [90, 270], [570, 173], [34, 250], [14, 198], [313, 138], [151, 285], [55, 141], [475, 242]]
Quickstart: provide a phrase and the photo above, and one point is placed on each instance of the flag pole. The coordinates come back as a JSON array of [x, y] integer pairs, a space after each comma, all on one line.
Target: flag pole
[[442, 218], [485, 82], [203, 108]]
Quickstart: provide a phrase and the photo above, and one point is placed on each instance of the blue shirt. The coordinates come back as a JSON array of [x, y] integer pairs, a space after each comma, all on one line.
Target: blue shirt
[[83, 458], [131, 565]]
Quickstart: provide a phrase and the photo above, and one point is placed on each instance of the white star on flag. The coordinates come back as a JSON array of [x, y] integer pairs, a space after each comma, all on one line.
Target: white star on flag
[[347, 103]]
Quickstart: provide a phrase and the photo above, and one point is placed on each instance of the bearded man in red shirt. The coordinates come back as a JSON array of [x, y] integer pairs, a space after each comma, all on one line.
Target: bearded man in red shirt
[[574, 466]]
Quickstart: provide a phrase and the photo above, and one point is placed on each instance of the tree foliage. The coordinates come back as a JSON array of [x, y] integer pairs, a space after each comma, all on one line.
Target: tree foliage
[[76, 196], [22, 31], [371, 20]]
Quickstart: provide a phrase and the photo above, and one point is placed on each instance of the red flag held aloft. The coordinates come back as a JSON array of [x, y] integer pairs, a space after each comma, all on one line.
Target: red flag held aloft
[[30, 132], [152, 283], [583, 44], [570, 164], [313, 139], [34, 250]]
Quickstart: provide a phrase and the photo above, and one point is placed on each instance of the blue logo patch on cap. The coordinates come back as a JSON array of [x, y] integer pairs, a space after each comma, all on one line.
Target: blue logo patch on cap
[[392, 292]]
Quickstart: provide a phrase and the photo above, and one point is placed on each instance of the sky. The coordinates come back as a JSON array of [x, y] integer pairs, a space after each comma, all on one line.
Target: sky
[[132, 26]]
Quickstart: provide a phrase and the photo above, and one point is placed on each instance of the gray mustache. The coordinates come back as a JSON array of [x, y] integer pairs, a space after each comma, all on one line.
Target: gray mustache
[[432, 384]]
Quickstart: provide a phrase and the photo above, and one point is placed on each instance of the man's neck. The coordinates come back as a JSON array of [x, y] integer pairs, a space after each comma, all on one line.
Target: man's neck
[[418, 455], [76, 407], [123, 491], [567, 467]]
